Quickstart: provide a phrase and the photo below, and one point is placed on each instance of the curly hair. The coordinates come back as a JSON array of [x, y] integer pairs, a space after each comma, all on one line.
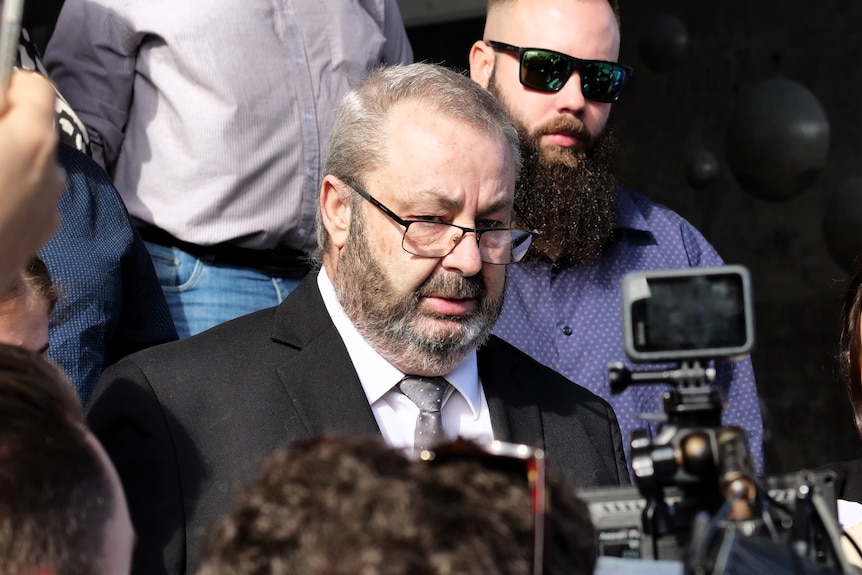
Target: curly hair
[[340, 506]]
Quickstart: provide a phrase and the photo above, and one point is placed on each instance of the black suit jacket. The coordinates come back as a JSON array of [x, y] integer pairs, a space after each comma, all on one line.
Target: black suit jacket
[[187, 423]]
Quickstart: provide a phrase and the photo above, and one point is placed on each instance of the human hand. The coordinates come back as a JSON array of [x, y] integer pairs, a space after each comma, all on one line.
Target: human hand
[[31, 181]]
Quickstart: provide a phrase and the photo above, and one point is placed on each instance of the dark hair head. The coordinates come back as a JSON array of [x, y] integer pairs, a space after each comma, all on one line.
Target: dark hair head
[[340, 506], [850, 344], [55, 494]]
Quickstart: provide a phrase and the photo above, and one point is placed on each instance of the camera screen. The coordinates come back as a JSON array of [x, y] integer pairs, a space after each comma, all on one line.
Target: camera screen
[[695, 314]]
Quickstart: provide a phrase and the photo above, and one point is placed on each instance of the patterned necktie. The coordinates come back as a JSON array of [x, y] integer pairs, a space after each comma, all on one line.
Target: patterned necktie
[[427, 393]]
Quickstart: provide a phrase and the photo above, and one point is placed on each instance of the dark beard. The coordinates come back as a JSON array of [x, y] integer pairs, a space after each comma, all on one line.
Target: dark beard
[[568, 196], [574, 208]]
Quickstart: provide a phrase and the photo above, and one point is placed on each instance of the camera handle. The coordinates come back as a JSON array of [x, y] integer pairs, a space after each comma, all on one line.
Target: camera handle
[[689, 375], [685, 450]]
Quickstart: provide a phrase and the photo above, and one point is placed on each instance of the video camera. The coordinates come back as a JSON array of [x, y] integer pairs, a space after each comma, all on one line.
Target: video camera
[[696, 497]]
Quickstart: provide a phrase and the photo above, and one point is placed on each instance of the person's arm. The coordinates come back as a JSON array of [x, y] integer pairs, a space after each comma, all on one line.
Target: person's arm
[[91, 58], [735, 378], [31, 181], [145, 319]]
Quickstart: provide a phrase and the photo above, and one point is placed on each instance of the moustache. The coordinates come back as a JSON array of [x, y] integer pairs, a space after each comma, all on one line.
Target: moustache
[[566, 124], [452, 286]]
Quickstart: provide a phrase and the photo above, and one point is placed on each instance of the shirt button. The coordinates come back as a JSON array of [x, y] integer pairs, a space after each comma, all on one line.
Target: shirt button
[[567, 330]]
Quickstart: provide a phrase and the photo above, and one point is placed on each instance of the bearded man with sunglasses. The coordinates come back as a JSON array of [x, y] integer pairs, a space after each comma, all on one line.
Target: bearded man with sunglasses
[[414, 240], [553, 65]]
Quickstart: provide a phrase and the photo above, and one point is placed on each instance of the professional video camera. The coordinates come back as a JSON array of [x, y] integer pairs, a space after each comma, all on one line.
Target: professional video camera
[[696, 497]]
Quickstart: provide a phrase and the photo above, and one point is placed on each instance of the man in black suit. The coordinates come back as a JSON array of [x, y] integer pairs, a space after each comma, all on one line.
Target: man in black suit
[[414, 238]]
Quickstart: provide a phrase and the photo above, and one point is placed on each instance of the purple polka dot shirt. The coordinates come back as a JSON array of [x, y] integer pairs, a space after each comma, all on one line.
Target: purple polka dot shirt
[[570, 318]]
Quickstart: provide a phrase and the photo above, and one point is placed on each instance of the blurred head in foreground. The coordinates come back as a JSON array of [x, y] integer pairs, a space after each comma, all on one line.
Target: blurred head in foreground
[[340, 506], [62, 509], [25, 307]]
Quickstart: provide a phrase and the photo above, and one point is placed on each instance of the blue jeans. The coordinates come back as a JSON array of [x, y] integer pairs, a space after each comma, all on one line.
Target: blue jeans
[[201, 296]]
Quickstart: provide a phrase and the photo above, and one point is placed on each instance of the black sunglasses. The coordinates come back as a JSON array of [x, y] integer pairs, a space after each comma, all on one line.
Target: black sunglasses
[[548, 71]]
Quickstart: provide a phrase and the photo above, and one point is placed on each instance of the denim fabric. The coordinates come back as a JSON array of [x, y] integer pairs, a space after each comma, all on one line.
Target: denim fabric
[[201, 296]]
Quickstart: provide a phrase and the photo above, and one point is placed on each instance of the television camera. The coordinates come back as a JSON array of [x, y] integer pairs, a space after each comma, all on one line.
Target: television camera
[[697, 498]]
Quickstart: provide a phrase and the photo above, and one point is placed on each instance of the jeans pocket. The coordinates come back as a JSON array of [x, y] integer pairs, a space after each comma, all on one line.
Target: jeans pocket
[[177, 271]]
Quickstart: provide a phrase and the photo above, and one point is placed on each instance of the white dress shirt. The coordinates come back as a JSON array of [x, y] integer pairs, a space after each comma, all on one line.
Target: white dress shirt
[[465, 411]]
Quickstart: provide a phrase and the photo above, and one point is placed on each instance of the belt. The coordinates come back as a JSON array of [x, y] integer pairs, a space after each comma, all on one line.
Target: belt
[[279, 262]]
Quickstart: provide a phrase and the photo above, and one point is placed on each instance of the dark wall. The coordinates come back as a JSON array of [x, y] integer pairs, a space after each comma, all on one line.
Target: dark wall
[[666, 116]]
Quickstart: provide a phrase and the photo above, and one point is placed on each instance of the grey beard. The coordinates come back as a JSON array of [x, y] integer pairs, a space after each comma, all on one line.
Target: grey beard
[[390, 323]]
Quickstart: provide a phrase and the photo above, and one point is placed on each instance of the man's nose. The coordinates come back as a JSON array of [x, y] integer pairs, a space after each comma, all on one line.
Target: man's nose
[[571, 97], [465, 257]]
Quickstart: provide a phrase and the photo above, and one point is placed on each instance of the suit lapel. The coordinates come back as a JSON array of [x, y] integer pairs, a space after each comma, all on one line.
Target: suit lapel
[[512, 400], [317, 372], [328, 398]]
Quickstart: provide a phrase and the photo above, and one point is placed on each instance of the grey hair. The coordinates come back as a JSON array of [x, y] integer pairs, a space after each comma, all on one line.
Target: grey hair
[[358, 143]]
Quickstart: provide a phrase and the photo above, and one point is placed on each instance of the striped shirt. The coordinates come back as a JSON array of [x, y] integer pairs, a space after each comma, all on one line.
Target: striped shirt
[[213, 117]]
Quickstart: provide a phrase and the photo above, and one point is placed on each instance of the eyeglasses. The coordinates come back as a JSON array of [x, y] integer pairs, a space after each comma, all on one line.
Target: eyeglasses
[[513, 459], [437, 239], [548, 71]]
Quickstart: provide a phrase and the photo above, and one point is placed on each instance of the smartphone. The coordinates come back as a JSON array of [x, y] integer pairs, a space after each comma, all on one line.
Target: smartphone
[[695, 313], [10, 29]]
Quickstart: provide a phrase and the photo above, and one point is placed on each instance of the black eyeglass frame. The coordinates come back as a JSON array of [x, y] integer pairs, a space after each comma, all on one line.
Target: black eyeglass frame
[[575, 65], [528, 237]]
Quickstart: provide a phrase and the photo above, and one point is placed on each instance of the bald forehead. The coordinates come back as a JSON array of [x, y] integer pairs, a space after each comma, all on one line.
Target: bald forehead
[[501, 12], [582, 28]]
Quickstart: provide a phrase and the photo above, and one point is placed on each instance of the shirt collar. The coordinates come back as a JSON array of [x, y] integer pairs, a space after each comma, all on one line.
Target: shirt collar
[[376, 374], [629, 217]]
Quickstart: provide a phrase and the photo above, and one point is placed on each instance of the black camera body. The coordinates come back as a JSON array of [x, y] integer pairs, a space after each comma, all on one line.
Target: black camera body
[[697, 498]]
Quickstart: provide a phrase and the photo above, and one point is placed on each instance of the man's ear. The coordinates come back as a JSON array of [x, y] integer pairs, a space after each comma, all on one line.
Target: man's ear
[[481, 63], [335, 210]]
